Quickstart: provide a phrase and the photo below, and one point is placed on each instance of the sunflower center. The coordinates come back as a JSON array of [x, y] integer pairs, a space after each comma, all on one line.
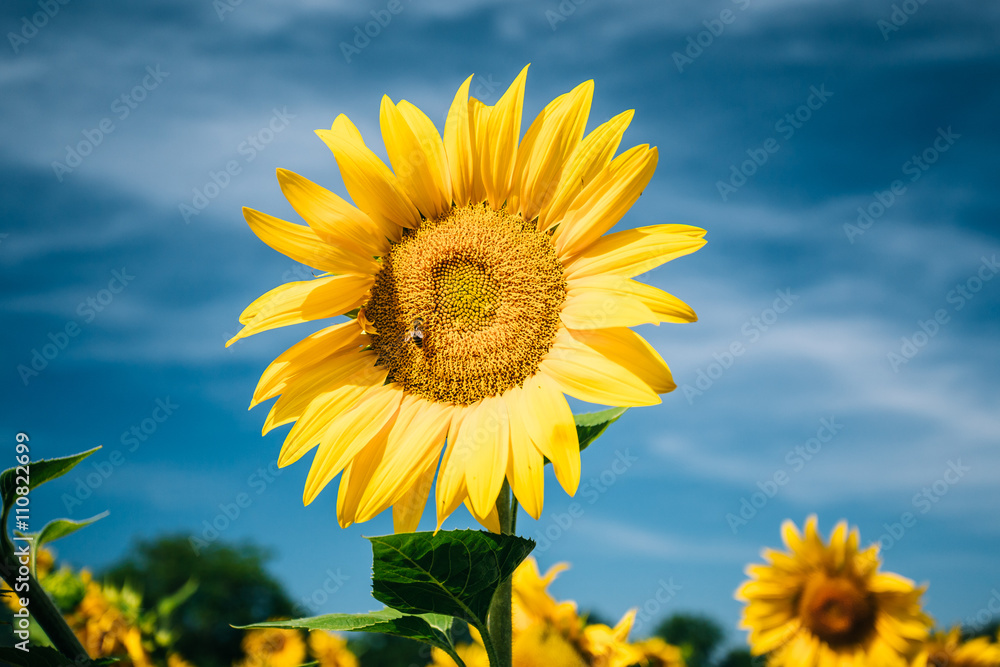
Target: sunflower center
[[466, 306], [837, 610]]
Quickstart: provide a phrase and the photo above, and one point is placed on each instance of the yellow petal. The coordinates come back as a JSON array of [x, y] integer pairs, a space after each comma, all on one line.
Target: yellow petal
[[602, 204], [482, 448], [305, 246], [352, 369], [303, 301], [584, 373], [458, 145], [406, 512], [490, 521], [370, 183], [525, 467], [499, 147], [349, 433], [450, 489], [479, 118], [331, 217], [631, 351], [320, 412], [549, 422], [589, 157], [357, 477], [635, 251], [308, 351], [604, 301], [417, 156], [546, 148], [415, 443]]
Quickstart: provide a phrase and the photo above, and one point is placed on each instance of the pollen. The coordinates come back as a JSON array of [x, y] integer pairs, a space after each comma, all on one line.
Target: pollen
[[484, 288]]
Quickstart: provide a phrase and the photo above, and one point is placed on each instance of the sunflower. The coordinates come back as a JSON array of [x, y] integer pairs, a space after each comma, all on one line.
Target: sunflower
[[822, 604], [271, 647], [948, 650], [480, 288], [330, 650]]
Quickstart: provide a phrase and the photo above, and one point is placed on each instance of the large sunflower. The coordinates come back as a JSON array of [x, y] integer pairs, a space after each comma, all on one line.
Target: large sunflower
[[820, 604], [479, 289]]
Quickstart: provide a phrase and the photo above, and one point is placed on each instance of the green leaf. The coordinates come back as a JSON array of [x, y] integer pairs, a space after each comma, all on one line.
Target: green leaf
[[431, 629], [170, 603], [452, 572], [57, 528], [590, 425], [39, 472]]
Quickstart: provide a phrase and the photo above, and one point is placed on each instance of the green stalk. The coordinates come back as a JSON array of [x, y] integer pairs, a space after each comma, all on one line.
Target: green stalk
[[41, 607], [499, 620]]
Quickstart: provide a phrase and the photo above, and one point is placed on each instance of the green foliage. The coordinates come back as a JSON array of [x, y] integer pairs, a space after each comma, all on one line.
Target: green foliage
[[233, 586], [58, 528], [39, 472], [65, 588], [433, 629], [591, 425], [740, 657], [450, 572], [697, 636]]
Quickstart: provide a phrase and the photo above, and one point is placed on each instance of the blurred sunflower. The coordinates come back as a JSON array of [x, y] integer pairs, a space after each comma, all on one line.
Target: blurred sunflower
[[948, 650], [822, 604], [656, 652], [330, 650], [271, 647], [482, 289]]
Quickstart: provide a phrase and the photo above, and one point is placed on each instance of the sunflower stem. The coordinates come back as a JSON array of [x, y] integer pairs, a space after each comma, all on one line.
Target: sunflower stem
[[499, 621], [43, 609]]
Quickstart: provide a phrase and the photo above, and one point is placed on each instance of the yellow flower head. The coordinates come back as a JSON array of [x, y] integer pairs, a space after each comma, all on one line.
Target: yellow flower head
[[609, 647], [820, 604], [271, 647], [482, 287], [532, 604], [948, 650], [330, 650], [656, 652]]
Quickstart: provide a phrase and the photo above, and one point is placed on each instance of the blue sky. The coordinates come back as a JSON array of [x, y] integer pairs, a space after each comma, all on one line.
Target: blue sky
[[844, 362]]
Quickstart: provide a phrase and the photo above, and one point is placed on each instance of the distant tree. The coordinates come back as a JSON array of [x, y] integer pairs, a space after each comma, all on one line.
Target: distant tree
[[697, 637], [740, 657], [234, 587]]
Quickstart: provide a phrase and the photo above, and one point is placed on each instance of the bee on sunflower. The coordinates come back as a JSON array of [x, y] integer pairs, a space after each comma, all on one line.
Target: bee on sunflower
[[481, 288]]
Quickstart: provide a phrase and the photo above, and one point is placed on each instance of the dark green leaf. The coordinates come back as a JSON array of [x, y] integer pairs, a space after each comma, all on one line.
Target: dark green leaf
[[590, 425], [39, 473], [452, 572], [431, 629], [57, 528]]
